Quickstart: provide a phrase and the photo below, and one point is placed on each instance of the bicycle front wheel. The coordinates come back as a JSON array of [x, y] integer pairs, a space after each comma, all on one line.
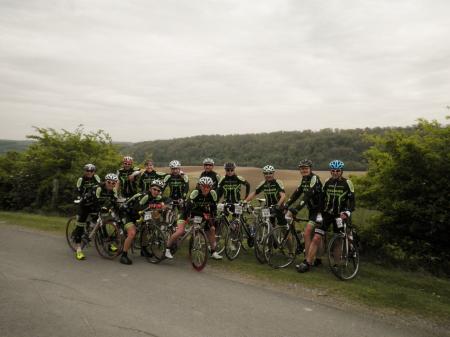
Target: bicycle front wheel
[[108, 240], [222, 232], [233, 243], [70, 232], [343, 257], [198, 249], [260, 237], [156, 241], [280, 247]]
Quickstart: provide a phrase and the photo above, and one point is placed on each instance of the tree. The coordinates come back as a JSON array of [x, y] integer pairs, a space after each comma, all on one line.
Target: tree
[[408, 182], [44, 176]]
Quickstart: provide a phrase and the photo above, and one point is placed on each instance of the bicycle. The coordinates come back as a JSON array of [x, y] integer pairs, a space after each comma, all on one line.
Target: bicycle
[[151, 233], [198, 243], [263, 228], [103, 229], [343, 251], [283, 244], [236, 230]]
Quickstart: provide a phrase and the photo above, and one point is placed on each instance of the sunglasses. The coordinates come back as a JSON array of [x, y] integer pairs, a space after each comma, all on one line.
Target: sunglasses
[[90, 171], [207, 165], [155, 189], [336, 171], [111, 182], [268, 174], [229, 170]]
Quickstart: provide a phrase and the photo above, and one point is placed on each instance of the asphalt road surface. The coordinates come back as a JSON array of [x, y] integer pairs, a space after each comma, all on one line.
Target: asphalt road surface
[[45, 292]]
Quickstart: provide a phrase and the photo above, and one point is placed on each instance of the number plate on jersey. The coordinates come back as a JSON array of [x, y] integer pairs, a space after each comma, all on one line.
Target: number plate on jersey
[[339, 223], [265, 212], [220, 207], [237, 209], [147, 216], [198, 219]]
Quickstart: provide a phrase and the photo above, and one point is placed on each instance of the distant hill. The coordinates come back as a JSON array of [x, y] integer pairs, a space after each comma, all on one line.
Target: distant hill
[[282, 149], [13, 145]]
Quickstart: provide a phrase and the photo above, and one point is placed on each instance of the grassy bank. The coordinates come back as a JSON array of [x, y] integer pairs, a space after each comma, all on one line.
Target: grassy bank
[[378, 287]]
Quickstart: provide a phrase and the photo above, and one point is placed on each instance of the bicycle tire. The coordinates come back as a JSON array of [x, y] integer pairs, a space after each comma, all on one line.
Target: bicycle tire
[[233, 243], [281, 247], [260, 236], [156, 240], [105, 236], [70, 227], [222, 232], [346, 265], [198, 249]]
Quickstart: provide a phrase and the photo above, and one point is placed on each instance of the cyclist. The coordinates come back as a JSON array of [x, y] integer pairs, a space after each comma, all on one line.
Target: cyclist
[[127, 177], [131, 208], [148, 175], [208, 165], [273, 191], [338, 203], [86, 193], [311, 189], [201, 201], [178, 183], [230, 185]]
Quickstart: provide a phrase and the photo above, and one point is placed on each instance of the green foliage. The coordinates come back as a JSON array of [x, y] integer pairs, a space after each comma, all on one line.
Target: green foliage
[[44, 176], [408, 182], [282, 149]]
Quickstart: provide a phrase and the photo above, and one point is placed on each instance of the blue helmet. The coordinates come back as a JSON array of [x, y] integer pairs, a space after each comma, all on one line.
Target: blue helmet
[[336, 165]]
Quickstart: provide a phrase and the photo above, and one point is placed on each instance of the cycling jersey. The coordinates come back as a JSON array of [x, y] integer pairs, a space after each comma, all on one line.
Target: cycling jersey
[[86, 188], [339, 196], [105, 198], [127, 188], [146, 178], [271, 191], [198, 203], [311, 188], [230, 188], [178, 185]]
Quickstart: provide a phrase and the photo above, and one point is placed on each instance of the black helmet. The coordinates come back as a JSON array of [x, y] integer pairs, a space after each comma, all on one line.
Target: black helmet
[[305, 163], [229, 165]]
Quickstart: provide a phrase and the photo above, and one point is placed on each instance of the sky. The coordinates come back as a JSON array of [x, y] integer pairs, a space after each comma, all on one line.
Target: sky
[[152, 69]]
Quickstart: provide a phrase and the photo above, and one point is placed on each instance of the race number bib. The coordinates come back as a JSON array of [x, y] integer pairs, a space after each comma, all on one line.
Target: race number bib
[[237, 209], [198, 219], [265, 212]]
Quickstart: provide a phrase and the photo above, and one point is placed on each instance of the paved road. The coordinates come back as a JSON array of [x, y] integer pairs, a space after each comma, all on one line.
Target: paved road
[[44, 291]]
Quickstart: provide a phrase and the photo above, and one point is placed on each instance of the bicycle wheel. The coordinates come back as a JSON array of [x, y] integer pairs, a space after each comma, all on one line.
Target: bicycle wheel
[[198, 249], [222, 231], [233, 242], [260, 237], [343, 258], [281, 247], [156, 240], [108, 240], [70, 237]]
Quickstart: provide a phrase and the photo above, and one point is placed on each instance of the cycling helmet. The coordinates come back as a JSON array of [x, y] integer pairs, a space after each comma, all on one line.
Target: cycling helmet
[[268, 169], [209, 161], [305, 163], [229, 165], [157, 183], [174, 164], [206, 181], [89, 167], [127, 160], [112, 177], [336, 165]]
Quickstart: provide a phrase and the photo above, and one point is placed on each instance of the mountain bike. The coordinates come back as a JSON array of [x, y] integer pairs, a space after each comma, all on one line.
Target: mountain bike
[[151, 234], [101, 227], [343, 251]]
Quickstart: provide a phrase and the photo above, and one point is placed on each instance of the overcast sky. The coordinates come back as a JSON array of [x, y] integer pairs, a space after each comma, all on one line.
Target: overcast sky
[[153, 69]]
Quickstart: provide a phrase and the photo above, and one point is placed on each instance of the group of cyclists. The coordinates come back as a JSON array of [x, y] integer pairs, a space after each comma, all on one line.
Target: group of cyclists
[[327, 203]]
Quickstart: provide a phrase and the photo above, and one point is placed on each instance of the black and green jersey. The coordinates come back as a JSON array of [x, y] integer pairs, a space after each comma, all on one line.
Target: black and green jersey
[[127, 188], [139, 202], [198, 203], [213, 175], [230, 188], [146, 178], [178, 185], [339, 196], [105, 198], [86, 188], [271, 191], [311, 188]]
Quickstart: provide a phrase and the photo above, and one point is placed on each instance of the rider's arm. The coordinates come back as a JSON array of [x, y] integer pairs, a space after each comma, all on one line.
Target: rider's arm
[[247, 185]]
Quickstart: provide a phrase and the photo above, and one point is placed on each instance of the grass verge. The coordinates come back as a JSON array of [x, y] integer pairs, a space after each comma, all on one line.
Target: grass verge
[[379, 287]]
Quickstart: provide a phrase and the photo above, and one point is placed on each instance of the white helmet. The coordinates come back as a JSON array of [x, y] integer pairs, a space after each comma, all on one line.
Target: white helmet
[[208, 161], [268, 169], [157, 183], [89, 167], [206, 181], [112, 177], [174, 164]]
